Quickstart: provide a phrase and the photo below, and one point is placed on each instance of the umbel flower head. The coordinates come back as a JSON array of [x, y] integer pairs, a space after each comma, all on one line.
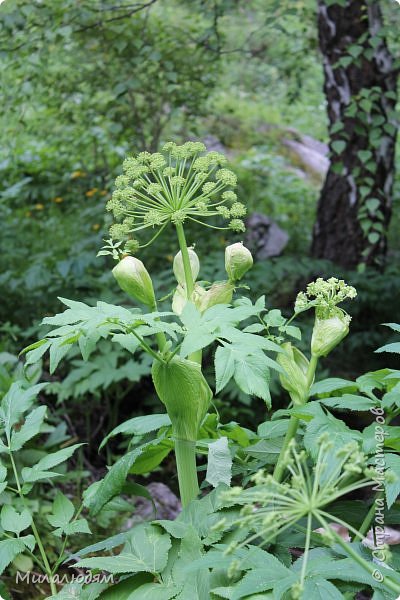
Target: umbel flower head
[[269, 508], [178, 184], [331, 321]]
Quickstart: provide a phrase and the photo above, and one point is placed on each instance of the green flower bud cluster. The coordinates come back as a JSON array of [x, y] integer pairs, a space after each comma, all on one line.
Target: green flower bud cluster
[[331, 322], [183, 182], [327, 295]]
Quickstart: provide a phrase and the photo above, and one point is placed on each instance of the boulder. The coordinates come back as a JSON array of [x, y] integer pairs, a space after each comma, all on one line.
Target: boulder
[[264, 237]]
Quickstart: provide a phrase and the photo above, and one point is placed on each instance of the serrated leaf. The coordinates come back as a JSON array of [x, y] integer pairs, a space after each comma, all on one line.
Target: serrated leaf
[[127, 341], [152, 455], [58, 350], [36, 351], [17, 401], [113, 482], [78, 526], [41, 469], [9, 549], [318, 588], [29, 429], [293, 331], [197, 585], [330, 385], [339, 433], [63, 511], [394, 347], [273, 429], [252, 376], [146, 550], [274, 318], [372, 380], [347, 569], [224, 367], [219, 465], [350, 402], [392, 397], [261, 579], [87, 342], [139, 426], [3, 473], [11, 520], [107, 544]]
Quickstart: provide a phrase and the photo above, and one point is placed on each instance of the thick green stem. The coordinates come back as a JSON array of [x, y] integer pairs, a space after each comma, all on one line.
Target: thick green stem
[[185, 259], [160, 336], [293, 424], [185, 453], [195, 356]]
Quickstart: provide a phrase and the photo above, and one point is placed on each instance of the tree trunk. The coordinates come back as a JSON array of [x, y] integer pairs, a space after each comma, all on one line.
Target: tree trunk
[[355, 204]]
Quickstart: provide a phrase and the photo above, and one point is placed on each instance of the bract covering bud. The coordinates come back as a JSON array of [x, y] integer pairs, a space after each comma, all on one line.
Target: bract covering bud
[[327, 333], [294, 380], [219, 293], [133, 277], [238, 260], [181, 386], [179, 271], [179, 298]]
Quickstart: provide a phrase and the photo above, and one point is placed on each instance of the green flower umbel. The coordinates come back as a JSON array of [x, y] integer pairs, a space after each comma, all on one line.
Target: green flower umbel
[[331, 322], [181, 183], [270, 508]]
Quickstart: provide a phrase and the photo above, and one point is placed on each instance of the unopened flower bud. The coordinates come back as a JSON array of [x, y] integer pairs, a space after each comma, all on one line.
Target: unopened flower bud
[[179, 270], [294, 380], [219, 293], [180, 298], [133, 277], [238, 260], [327, 333]]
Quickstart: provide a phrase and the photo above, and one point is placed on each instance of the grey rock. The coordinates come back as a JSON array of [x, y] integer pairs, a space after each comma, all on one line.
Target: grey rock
[[168, 506], [264, 237]]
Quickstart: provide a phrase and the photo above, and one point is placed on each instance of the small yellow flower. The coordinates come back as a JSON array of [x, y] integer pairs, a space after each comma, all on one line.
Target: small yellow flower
[[58, 200], [91, 192], [39, 206], [96, 226], [77, 174]]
